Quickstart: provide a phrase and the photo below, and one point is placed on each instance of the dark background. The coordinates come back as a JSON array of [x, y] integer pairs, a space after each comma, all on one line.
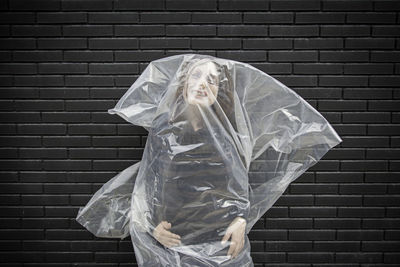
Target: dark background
[[64, 63]]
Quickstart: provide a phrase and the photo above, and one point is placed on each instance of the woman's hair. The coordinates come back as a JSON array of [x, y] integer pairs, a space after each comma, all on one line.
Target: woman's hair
[[225, 95]]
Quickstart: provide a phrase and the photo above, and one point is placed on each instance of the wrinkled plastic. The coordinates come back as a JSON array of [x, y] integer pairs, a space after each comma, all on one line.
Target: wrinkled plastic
[[195, 168]]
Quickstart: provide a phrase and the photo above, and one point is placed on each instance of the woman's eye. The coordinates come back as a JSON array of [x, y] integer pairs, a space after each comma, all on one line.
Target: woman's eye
[[211, 81], [197, 74]]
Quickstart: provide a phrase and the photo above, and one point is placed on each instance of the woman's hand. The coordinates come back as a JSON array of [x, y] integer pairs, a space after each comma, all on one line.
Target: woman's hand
[[236, 229], [164, 236]]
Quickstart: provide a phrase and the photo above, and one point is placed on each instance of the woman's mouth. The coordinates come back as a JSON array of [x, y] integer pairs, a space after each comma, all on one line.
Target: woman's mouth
[[201, 93]]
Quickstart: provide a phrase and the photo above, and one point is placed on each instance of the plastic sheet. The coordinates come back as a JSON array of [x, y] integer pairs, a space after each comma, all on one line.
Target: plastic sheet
[[208, 119]]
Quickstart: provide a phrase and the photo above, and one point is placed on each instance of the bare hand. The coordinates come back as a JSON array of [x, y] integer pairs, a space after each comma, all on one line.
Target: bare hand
[[164, 236], [237, 230]]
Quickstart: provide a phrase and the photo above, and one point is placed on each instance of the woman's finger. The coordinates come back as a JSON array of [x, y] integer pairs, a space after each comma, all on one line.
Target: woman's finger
[[172, 235], [237, 250], [237, 244], [170, 244], [232, 247], [226, 236], [166, 224], [167, 233], [174, 241]]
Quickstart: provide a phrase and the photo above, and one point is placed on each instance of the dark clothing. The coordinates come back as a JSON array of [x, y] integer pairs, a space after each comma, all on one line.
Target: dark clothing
[[197, 193]]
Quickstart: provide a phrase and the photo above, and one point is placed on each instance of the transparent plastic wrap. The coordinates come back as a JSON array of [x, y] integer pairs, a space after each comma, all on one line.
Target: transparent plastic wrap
[[208, 119]]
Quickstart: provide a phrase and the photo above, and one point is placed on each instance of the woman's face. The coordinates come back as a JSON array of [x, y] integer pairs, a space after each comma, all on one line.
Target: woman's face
[[202, 84]]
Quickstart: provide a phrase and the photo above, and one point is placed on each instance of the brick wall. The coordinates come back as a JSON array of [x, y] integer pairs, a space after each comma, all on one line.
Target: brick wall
[[64, 63]]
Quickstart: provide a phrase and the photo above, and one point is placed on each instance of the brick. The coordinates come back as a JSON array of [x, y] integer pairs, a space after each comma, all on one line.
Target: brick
[[61, 17], [392, 200], [292, 223], [151, 43], [385, 31], [337, 246], [285, 246], [385, 56], [62, 43], [359, 257], [312, 211], [208, 17], [14, 211], [338, 223], [17, 17], [43, 153], [311, 235], [367, 93], [315, 257], [195, 30], [391, 258], [66, 188], [343, 56], [383, 246], [366, 117], [65, 117], [115, 256], [113, 43], [139, 5], [220, 43], [48, 223], [382, 223], [297, 30], [38, 245], [243, 55], [308, 188], [91, 153], [245, 30], [371, 18], [362, 189], [365, 43], [320, 17], [113, 17], [36, 30], [21, 188], [114, 68], [353, 5], [139, 30], [94, 245], [295, 5], [368, 68], [59, 68], [35, 5], [243, 5], [334, 200], [87, 5], [190, 5], [270, 44], [318, 43], [269, 234], [361, 212], [295, 200], [166, 17], [302, 56]]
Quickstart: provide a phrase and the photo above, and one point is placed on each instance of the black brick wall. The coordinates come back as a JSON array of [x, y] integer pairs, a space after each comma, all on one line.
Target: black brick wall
[[64, 63]]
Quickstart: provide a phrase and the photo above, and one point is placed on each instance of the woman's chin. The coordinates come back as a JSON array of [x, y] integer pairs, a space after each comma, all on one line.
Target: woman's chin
[[203, 101]]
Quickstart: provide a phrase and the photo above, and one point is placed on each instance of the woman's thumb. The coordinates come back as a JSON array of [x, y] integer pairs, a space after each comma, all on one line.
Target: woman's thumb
[[167, 224]]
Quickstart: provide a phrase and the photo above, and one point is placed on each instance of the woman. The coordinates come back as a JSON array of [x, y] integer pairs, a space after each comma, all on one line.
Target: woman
[[197, 198]]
